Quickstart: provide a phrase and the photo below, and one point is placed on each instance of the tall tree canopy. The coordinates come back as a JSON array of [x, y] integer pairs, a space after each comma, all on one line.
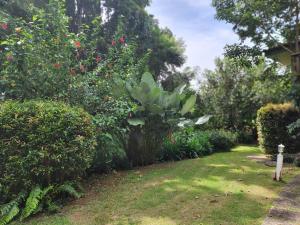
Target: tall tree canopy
[[265, 22], [105, 20]]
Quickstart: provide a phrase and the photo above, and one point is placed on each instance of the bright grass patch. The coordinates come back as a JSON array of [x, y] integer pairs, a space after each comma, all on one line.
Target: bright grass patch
[[224, 188]]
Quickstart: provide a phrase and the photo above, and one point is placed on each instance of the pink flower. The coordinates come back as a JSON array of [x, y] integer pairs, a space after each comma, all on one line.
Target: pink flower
[[98, 59], [113, 43], [4, 26], [122, 40], [10, 58]]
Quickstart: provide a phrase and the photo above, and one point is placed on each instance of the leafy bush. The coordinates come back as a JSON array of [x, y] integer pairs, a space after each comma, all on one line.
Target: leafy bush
[[297, 160], [42, 143], [110, 153], [272, 125], [222, 140], [192, 144]]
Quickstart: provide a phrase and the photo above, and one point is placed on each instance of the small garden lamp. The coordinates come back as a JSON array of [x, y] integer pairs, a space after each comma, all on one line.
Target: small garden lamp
[[281, 148], [279, 163]]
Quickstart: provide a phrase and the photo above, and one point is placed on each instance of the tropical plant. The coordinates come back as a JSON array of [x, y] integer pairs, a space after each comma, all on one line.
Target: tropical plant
[[154, 101], [157, 112]]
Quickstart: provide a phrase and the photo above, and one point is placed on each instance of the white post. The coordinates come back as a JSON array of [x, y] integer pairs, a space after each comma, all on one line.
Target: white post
[[279, 163], [2, 96]]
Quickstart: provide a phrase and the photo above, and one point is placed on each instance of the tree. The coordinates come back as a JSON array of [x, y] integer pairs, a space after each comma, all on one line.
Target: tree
[[234, 92], [265, 22]]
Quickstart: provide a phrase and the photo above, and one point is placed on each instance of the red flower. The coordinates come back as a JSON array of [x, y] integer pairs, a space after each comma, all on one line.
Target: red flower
[[10, 58], [98, 59], [4, 26], [77, 44], [57, 65], [122, 40], [113, 43]]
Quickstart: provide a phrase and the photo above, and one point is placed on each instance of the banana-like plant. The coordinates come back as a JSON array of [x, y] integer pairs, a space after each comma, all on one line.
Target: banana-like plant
[[153, 100]]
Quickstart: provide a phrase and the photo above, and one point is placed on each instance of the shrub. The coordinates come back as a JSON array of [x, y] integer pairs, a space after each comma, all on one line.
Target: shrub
[[192, 144], [272, 123], [110, 153], [42, 143], [222, 140], [297, 160]]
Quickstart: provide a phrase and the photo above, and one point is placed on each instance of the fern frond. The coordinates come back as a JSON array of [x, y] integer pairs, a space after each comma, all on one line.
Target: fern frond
[[32, 202], [70, 190], [9, 212]]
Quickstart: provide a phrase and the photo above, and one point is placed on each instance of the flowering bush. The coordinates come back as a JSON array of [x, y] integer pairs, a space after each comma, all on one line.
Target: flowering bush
[[37, 55]]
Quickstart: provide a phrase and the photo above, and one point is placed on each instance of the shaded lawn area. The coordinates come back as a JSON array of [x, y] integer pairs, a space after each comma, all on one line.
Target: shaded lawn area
[[221, 189]]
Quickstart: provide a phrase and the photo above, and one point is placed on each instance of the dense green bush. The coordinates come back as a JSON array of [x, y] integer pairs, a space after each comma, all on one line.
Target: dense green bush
[[42, 143], [222, 140], [297, 160], [272, 125], [192, 144]]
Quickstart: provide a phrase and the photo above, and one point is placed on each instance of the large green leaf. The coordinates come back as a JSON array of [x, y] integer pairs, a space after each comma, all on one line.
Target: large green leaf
[[148, 79], [136, 122], [188, 105], [202, 120]]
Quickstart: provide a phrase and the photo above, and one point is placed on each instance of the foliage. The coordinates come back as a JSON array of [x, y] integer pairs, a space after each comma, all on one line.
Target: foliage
[[42, 143], [110, 152], [32, 202], [297, 160], [38, 55], [263, 21], [294, 129], [272, 122], [154, 101], [37, 200], [10, 210], [222, 140], [157, 112], [234, 92], [190, 143]]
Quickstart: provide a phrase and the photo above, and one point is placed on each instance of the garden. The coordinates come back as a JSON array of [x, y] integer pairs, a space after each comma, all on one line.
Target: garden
[[101, 124]]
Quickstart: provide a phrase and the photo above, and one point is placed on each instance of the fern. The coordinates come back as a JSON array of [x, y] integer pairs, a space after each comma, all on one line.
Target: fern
[[32, 202], [9, 212], [69, 189]]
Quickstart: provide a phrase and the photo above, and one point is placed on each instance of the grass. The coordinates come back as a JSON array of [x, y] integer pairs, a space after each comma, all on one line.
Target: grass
[[221, 189]]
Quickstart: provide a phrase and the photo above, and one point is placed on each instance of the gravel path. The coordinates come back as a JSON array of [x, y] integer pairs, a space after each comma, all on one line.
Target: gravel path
[[286, 209]]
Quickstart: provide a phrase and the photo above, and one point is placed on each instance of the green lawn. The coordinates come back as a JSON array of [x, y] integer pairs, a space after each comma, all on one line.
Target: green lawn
[[221, 189]]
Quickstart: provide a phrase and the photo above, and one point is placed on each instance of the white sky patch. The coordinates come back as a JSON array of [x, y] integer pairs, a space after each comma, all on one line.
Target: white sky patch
[[198, 3], [194, 22]]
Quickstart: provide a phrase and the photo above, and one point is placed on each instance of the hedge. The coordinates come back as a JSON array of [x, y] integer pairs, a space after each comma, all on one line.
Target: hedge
[[272, 123], [42, 143]]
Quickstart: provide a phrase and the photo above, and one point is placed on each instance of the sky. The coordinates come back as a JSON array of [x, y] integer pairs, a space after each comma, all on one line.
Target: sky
[[194, 22]]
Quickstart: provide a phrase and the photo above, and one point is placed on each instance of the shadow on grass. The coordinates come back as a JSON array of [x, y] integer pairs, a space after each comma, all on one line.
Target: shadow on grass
[[224, 188]]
